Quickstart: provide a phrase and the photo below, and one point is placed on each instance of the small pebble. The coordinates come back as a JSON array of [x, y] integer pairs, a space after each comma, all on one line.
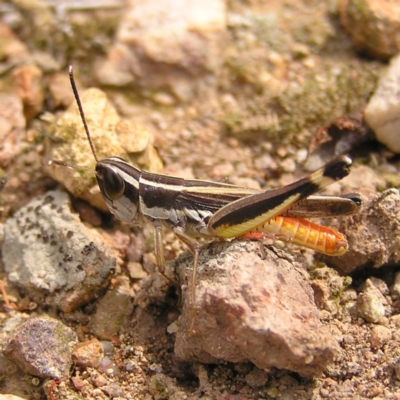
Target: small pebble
[[371, 303], [373, 25], [88, 354], [380, 335]]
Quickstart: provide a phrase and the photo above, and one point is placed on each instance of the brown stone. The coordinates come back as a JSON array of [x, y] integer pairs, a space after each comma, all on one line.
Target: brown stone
[[252, 309]]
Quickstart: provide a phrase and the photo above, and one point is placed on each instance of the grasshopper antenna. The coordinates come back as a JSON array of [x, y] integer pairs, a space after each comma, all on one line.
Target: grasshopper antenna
[[64, 164], [78, 102]]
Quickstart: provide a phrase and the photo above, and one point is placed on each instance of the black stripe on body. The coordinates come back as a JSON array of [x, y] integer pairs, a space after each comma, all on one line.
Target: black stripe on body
[[326, 206], [337, 169], [250, 207], [268, 201], [164, 191], [355, 198], [201, 202], [159, 191]]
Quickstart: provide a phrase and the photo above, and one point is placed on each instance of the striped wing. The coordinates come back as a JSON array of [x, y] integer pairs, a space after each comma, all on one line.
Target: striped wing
[[247, 213]]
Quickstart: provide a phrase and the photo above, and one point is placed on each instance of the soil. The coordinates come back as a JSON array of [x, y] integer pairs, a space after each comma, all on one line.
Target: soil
[[288, 69]]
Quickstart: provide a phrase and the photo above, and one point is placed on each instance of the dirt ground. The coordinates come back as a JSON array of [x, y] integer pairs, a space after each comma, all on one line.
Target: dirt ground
[[247, 115]]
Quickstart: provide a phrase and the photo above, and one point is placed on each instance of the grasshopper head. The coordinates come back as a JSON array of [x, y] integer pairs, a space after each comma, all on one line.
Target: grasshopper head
[[119, 185], [118, 180]]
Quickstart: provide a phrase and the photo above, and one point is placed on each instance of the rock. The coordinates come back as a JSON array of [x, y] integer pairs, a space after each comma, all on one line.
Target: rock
[[113, 390], [383, 109], [60, 90], [241, 296], [11, 116], [12, 127], [79, 383], [49, 252], [13, 381], [113, 312], [361, 176], [136, 270], [257, 378], [66, 31], [41, 347], [163, 387], [88, 354], [373, 25], [165, 44], [12, 50], [99, 380], [380, 285], [109, 367], [328, 286], [29, 87], [396, 368], [372, 234], [395, 289], [111, 135], [380, 335], [371, 303]]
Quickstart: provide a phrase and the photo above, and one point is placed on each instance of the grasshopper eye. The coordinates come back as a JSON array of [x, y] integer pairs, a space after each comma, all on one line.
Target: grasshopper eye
[[113, 184]]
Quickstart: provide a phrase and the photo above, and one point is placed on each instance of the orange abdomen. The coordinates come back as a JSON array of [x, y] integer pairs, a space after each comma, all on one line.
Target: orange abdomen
[[306, 233]]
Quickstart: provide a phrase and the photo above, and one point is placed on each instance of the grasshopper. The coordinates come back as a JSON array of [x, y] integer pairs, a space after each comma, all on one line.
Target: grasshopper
[[198, 208]]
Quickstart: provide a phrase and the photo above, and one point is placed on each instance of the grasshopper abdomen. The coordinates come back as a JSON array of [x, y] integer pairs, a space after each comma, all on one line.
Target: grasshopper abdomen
[[308, 234]]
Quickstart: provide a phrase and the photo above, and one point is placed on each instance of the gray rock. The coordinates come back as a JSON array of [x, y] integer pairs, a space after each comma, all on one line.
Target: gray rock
[[48, 251], [250, 308]]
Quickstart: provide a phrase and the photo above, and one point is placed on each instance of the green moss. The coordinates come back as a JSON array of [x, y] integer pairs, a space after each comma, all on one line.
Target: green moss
[[335, 89], [314, 90], [159, 390], [273, 393]]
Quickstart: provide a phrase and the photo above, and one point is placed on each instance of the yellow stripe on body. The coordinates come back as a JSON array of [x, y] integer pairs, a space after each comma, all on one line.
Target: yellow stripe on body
[[226, 231], [230, 231]]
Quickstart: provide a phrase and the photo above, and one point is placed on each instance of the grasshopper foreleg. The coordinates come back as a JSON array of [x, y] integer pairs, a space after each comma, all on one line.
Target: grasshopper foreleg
[[191, 243], [159, 251], [194, 248]]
